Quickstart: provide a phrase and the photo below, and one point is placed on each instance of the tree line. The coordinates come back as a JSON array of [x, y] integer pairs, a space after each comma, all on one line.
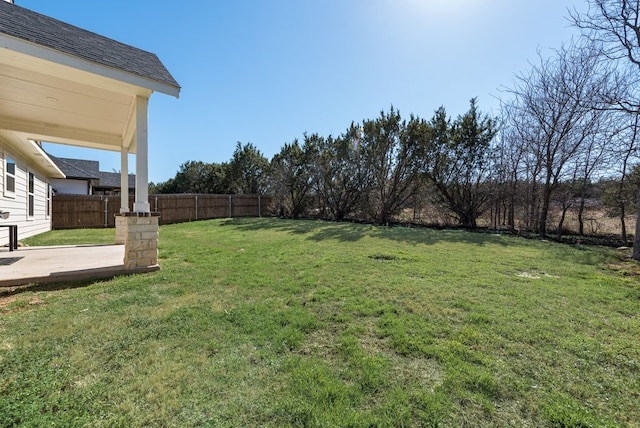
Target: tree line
[[370, 172], [567, 132], [465, 166]]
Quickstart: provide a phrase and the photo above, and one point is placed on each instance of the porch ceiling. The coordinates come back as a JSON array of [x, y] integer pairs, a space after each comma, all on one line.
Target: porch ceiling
[[48, 101]]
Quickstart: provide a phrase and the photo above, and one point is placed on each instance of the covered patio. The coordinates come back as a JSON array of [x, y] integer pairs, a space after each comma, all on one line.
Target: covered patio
[[38, 265], [63, 84]]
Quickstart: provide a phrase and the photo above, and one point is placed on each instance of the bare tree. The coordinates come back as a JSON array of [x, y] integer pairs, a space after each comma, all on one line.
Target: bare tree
[[615, 25], [596, 156], [556, 101], [617, 192], [513, 165]]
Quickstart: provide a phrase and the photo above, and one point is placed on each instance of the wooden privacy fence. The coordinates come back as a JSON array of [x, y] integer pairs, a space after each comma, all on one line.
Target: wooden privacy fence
[[84, 211]]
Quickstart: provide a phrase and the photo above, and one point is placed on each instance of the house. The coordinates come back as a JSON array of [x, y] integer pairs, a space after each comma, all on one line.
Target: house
[[83, 177], [62, 84], [79, 174]]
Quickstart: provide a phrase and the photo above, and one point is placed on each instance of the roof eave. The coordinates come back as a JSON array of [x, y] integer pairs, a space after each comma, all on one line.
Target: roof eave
[[52, 55], [54, 170]]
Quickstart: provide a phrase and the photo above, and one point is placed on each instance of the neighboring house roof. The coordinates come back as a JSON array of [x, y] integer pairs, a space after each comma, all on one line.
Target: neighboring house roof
[[45, 31], [112, 180], [78, 168], [82, 169]]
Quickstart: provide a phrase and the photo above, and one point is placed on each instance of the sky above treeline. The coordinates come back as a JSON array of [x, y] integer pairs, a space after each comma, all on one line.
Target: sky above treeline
[[267, 71]]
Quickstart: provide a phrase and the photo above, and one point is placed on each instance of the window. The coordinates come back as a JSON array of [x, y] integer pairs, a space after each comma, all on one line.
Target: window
[[10, 176], [31, 206], [48, 199]]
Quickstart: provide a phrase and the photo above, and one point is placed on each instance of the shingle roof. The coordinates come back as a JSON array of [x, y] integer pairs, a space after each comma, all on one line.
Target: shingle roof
[[90, 170], [77, 168], [31, 26], [112, 179]]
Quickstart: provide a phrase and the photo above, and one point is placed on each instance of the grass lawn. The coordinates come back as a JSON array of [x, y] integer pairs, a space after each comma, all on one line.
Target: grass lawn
[[267, 322]]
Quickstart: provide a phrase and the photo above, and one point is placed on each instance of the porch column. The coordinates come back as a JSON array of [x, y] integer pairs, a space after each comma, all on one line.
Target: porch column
[[141, 204], [124, 180], [138, 229]]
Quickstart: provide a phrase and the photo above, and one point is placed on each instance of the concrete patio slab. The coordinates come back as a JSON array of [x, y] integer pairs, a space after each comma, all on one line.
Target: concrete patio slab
[[36, 265]]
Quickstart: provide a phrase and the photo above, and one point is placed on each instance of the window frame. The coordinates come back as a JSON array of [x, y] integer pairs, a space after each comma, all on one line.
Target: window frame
[[31, 195], [9, 175], [48, 200]]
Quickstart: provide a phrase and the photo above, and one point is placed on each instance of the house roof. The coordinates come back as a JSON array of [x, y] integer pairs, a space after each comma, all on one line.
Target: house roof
[[62, 84], [112, 180], [82, 169], [78, 168], [51, 33]]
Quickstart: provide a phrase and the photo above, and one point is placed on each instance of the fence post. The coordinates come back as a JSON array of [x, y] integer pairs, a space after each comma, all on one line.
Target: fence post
[[259, 207], [156, 203], [106, 212], [230, 208], [196, 207]]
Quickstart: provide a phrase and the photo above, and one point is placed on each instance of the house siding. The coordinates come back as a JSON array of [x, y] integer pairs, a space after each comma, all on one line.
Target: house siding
[[18, 203], [66, 186]]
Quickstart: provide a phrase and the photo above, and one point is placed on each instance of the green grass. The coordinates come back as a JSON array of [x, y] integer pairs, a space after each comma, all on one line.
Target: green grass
[[72, 237], [266, 322]]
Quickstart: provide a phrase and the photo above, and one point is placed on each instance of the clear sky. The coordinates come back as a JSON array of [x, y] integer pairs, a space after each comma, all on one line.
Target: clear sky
[[267, 71]]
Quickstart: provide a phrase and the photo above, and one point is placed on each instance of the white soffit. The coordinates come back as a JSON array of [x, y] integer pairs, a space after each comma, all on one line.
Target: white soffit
[[48, 101]]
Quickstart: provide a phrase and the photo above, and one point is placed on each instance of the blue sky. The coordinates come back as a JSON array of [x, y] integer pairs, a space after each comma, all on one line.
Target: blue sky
[[267, 71]]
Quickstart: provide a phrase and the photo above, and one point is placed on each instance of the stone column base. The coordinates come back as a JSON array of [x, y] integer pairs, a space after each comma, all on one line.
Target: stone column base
[[139, 233], [121, 226]]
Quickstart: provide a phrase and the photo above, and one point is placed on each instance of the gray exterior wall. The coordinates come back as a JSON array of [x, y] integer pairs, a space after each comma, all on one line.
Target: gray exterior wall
[[17, 202]]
